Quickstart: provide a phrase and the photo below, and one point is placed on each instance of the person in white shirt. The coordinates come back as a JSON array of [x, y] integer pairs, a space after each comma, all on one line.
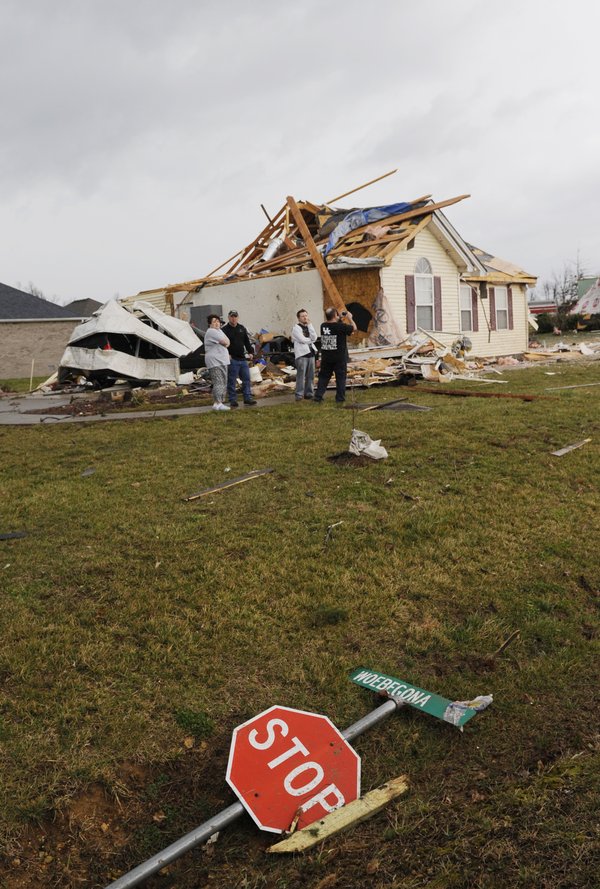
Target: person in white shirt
[[216, 358], [303, 337]]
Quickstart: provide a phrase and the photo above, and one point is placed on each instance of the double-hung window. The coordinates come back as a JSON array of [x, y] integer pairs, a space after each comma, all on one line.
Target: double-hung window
[[466, 308], [424, 294], [501, 294]]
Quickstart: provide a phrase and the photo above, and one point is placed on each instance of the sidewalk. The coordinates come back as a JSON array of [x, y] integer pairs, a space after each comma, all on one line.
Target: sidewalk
[[15, 410]]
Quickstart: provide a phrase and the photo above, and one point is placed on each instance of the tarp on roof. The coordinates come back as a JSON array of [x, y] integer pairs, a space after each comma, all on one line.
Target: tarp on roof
[[356, 218]]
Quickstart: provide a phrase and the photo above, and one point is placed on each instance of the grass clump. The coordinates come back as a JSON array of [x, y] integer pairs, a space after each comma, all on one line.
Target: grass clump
[[327, 616], [197, 724]]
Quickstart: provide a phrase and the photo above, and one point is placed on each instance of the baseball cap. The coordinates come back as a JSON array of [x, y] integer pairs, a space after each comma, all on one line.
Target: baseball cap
[[232, 312]]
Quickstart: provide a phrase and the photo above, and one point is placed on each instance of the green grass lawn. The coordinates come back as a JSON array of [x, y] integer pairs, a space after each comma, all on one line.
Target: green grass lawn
[[138, 630], [21, 384]]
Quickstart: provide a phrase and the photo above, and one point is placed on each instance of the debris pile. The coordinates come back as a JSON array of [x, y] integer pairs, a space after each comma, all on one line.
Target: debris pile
[[140, 343]]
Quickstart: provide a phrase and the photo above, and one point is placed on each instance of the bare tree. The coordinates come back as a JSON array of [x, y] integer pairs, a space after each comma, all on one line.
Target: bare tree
[[35, 291], [561, 289]]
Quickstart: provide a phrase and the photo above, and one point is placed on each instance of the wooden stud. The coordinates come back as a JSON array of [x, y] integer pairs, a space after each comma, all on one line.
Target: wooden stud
[[358, 188], [330, 288], [229, 484], [340, 819]]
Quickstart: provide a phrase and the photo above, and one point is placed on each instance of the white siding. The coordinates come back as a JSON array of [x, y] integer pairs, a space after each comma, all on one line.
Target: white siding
[[486, 343], [269, 303], [442, 266]]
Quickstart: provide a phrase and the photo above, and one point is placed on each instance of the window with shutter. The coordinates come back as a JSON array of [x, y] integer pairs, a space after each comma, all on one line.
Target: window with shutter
[[501, 295], [466, 308], [424, 294]]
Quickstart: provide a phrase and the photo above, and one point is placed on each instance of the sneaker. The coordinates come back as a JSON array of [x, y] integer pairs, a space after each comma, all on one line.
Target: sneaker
[[249, 400], [317, 401], [308, 397], [233, 404], [220, 407]]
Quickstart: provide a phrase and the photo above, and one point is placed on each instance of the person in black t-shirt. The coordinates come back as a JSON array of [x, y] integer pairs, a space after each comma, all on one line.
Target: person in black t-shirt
[[334, 353]]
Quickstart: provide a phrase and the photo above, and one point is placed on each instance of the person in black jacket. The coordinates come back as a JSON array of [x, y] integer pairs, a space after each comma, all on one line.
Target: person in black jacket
[[240, 350], [334, 353]]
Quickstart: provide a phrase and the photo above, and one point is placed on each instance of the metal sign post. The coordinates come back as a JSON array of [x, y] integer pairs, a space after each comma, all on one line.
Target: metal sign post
[[400, 694], [227, 816]]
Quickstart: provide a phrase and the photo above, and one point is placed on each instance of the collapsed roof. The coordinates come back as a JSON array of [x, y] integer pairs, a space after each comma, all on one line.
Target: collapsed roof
[[137, 343], [589, 303], [304, 235]]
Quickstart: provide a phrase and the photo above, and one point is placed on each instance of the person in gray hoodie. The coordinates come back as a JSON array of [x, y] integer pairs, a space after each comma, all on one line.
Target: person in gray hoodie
[[304, 337]]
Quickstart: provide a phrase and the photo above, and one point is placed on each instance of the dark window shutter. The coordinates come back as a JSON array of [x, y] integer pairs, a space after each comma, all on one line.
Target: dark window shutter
[[437, 303], [474, 309], [510, 308], [411, 325], [492, 293]]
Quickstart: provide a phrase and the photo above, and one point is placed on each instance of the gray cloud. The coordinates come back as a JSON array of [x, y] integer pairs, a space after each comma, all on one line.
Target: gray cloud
[[140, 138]]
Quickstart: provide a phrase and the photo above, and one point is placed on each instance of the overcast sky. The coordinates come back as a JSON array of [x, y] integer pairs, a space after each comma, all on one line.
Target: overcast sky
[[139, 137]]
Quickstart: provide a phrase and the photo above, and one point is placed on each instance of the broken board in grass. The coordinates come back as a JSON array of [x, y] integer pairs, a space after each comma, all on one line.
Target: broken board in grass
[[400, 404], [13, 535], [256, 473], [455, 712]]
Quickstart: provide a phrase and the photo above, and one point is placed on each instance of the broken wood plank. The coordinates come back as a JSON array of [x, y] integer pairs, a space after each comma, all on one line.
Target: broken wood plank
[[330, 288], [340, 819], [381, 406], [572, 447], [464, 393], [506, 643], [578, 386], [360, 187], [229, 484], [409, 236]]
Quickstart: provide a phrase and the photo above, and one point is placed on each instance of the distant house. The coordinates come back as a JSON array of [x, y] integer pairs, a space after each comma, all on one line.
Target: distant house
[[83, 308], [32, 329]]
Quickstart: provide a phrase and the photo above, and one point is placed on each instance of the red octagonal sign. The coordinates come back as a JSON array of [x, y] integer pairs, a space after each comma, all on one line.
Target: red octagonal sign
[[284, 762]]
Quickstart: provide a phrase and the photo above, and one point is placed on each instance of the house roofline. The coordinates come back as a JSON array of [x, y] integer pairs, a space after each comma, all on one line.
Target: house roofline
[[76, 318]]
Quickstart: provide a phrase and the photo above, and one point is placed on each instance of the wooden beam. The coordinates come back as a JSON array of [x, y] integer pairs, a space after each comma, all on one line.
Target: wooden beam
[[410, 234], [362, 245], [340, 819], [359, 187], [266, 214], [229, 484], [330, 288], [569, 448]]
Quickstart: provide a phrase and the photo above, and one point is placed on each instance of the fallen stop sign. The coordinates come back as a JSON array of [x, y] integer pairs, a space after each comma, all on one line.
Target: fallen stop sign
[[286, 760]]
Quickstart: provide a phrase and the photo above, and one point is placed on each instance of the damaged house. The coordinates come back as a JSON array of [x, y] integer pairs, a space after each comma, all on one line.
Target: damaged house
[[399, 268]]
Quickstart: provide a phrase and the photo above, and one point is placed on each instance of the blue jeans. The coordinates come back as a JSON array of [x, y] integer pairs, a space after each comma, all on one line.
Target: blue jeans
[[305, 376], [238, 369]]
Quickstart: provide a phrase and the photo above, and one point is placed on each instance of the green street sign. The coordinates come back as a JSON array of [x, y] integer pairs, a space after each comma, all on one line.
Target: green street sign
[[455, 712]]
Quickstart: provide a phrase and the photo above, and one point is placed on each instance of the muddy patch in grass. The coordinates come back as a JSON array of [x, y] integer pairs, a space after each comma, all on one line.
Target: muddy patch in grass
[[345, 458]]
